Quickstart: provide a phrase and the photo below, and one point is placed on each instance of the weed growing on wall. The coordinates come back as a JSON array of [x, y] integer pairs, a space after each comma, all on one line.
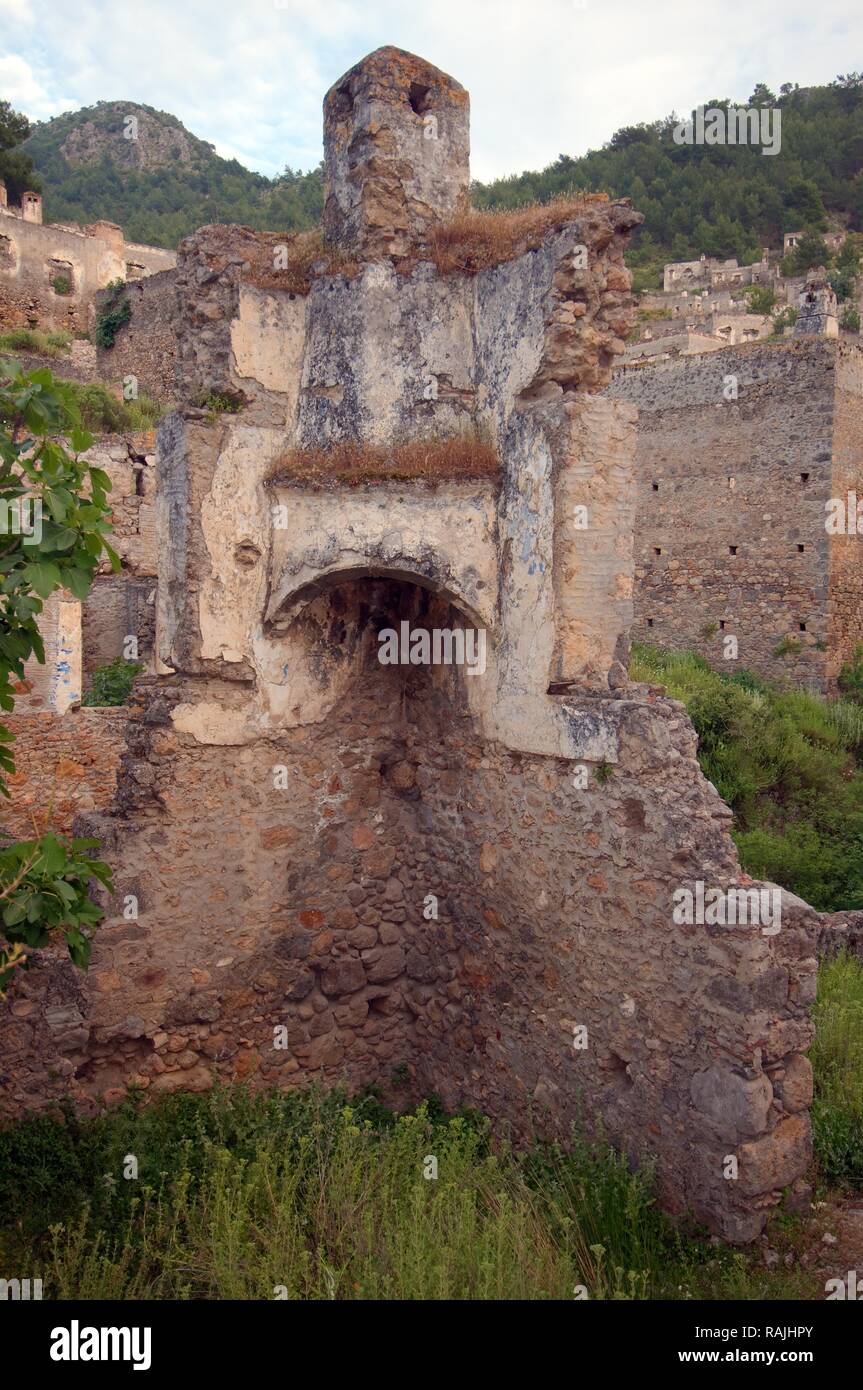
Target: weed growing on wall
[[112, 684], [114, 311]]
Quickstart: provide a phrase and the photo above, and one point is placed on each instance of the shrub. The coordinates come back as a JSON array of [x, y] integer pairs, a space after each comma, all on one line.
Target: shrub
[[241, 1194], [61, 285], [218, 403], [112, 684], [101, 412], [761, 299], [787, 762], [851, 676], [44, 882], [837, 1059], [476, 240], [114, 311], [33, 340], [850, 320], [786, 318]]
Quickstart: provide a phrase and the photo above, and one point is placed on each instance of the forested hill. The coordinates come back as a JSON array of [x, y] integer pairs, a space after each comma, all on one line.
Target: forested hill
[[719, 199], [722, 200], [161, 185]]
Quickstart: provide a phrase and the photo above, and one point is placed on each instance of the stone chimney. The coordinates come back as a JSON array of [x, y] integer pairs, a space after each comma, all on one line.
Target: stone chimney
[[818, 310], [31, 207], [110, 233], [396, 154]]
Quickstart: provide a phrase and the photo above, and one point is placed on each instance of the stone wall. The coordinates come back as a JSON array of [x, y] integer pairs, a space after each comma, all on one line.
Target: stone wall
[[55, 683], [77, 366], [414, 896], [32, 255], [145, 347], [130, 462], [739, 454], [65, 765], [117, 607]]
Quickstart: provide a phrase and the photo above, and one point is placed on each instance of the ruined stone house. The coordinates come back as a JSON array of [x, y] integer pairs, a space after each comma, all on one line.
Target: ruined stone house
[[459, 873], [747, 548], [50, 273]]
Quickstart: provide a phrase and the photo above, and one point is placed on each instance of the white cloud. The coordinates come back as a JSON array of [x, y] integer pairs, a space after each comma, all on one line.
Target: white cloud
[[545, 77]]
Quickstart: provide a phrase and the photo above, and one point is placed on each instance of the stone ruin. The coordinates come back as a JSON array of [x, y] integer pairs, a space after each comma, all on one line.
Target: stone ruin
[[818, 310], [457, 877]]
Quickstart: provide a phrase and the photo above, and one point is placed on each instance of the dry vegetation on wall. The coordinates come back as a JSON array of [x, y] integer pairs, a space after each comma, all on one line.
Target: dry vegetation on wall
[[482, 238], [475, 241], [353, 463]]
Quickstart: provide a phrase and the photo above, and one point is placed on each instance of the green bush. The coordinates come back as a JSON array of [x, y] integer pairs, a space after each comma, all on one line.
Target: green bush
[[44, 881], [851, 676], [112, 684], [218, 403], [61, 285], [789, 765], [837, 1060], [101, 412], [32, 340], [785, 319], [761, 299], [114, 311], [238, 1195]]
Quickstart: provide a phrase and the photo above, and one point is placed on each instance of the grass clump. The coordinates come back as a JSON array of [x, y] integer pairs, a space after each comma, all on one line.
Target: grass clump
[[481, 238], [35, 341], [354, 463], [102, 413], [837, 1060], [851, 677], [306, 1196], [789, 765], [218, 403], [789, 646]]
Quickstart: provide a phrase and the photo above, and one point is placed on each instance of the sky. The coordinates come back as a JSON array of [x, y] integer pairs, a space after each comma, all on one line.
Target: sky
[[546, 77]]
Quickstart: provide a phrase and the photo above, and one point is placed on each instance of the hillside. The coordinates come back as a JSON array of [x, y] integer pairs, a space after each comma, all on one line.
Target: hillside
[[162, 185], [721, 200]]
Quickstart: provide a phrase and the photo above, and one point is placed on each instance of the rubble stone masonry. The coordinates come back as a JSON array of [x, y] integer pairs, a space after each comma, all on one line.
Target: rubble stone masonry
[[739, 455]]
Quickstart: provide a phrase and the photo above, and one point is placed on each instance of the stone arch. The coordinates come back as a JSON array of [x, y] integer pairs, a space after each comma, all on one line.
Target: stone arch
[[289, 600]]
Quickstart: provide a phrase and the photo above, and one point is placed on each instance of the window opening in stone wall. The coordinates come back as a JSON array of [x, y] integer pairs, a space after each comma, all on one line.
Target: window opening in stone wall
[[418, 97], [61, 276]]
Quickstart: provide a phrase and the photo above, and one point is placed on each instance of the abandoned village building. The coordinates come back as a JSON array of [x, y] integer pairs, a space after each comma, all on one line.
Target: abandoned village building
[[464, 874]]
